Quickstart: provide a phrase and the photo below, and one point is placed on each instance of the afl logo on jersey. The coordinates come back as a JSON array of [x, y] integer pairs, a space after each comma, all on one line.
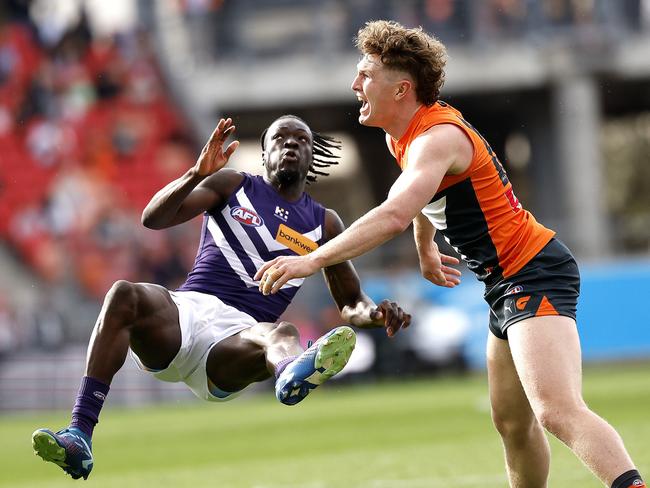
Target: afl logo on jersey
[[246, 216]]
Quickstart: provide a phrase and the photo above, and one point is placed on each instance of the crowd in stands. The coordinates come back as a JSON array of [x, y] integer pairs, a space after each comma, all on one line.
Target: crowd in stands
[[241, 30], [87, 135]]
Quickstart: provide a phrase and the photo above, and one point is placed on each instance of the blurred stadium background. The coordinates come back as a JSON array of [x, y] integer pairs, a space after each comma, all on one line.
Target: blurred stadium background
[[102, 103]]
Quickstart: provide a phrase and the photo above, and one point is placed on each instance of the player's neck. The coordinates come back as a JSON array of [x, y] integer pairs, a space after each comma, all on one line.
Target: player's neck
[[401, 119], [291, 192]]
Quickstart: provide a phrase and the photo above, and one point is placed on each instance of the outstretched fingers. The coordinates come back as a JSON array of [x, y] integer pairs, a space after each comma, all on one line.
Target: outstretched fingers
[[216, 134], [452, 276], [221, 132], [213, 157], [222, 128], [447, 276], [232, 147], [449, 259]]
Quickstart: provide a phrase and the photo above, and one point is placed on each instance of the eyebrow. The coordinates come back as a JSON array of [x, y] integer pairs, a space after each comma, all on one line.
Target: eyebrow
[[298, 129]]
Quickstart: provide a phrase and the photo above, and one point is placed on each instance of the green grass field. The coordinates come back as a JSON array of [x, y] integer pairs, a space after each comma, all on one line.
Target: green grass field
[[424, 433]]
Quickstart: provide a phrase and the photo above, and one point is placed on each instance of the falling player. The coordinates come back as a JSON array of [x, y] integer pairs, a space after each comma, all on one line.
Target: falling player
[[217, 333]]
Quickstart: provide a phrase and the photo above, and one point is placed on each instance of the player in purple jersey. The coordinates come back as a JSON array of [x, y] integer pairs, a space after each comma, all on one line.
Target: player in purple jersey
[[203, 334]]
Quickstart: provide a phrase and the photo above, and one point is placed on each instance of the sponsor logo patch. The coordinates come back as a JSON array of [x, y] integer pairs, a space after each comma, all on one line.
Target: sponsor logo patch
[[246, 216], [295, 241], [99, 395]]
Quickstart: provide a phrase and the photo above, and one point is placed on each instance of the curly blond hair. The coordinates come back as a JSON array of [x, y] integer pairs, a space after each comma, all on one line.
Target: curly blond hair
[[411, 50]]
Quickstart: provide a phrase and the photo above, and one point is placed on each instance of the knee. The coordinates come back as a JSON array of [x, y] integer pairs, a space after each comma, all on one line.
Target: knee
[[122, 300], [513, 426], [287, 329], [558, 418]]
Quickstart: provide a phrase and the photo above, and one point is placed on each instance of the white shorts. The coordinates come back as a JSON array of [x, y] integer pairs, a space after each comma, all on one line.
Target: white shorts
[[205, 320]]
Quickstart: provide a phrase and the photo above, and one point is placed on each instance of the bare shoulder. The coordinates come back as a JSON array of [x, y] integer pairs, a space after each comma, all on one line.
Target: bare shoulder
[[333, 224], [223, 182]]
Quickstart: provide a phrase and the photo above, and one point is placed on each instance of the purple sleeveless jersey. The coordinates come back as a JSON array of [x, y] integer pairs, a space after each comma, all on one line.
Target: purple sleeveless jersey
[[255, 225]]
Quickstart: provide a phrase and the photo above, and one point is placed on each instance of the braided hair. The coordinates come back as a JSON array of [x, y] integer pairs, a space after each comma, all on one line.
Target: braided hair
[[323, 148]]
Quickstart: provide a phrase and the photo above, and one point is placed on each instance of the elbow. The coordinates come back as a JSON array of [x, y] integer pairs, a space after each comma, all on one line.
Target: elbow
[[396, 223], [149, 222]]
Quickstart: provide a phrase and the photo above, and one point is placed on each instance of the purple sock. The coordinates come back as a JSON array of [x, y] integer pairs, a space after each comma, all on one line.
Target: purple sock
[[90, 399], [279, 368]]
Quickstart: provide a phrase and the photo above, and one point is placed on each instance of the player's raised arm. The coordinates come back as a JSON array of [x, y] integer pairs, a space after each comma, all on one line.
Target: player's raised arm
[[355, 306], [200, 188]]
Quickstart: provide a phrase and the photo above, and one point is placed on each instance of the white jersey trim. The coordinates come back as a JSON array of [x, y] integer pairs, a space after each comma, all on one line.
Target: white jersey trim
[[230, 255], [435, 212]]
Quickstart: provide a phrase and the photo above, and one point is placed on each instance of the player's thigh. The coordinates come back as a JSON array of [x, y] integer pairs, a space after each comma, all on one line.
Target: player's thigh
[[243, 358], [155, 335], [510, 406], [546, 353], [240, 359]]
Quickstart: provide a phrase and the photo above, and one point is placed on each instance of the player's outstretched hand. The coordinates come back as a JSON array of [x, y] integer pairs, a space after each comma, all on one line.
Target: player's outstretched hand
[[434, 268], [390, 315], [213, 157], [274, 274]]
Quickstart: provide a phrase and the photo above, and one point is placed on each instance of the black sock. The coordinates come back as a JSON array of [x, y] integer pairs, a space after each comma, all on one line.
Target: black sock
[[629, 479]]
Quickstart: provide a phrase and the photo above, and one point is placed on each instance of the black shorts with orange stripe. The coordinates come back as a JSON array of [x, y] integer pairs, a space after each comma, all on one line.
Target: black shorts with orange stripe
[[549, 284]]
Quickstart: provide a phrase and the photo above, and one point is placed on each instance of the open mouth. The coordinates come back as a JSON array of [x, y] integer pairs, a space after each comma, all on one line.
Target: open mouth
[[289, 156], [365, 106]]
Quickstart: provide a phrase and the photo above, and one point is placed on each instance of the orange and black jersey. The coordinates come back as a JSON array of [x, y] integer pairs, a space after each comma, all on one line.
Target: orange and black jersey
[[477, 211]]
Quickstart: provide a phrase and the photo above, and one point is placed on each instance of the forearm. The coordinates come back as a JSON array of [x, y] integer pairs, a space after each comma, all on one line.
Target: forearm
[[370, 231], [344, 286], [423, 234], [164, 205]]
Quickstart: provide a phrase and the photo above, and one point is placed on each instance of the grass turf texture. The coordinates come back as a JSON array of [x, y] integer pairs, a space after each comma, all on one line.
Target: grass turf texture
[[424, 433]]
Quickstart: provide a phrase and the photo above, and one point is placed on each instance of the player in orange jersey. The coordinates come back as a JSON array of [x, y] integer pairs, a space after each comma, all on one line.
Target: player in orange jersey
[[453, 182]]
